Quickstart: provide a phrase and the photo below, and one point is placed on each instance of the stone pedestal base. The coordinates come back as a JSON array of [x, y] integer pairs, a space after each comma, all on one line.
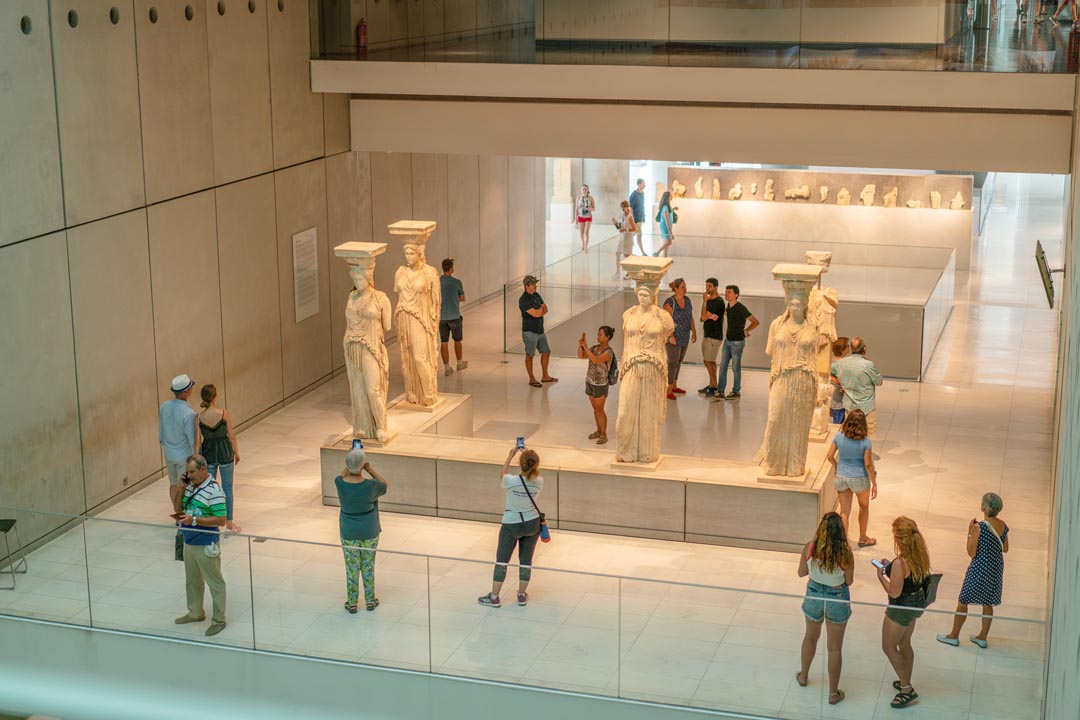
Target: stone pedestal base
[[345, 441], [798, 480], [638, 465], [400, 403]]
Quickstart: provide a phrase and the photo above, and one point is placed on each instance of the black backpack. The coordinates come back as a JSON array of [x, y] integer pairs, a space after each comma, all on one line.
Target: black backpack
[[613, 370]]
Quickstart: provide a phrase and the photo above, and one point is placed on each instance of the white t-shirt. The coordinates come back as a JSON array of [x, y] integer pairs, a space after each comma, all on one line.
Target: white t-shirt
[[518, 506]]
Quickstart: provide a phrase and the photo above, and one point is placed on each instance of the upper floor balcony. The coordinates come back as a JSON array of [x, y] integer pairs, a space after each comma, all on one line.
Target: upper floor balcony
[[941, 35]]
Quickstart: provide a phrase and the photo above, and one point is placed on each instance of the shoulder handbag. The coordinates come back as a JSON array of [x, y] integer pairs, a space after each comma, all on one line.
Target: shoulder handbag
[[545, 534], [929, 589]]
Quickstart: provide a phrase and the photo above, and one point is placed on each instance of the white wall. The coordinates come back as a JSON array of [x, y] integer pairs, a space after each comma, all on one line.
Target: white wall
[[1063, 665], [164, 245]]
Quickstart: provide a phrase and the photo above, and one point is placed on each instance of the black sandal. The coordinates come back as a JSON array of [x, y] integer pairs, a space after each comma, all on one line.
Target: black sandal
[[351, 609], [903, 699]]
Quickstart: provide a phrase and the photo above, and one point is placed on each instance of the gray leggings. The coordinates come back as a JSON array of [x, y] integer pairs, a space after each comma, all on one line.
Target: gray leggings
[[675, 355], [524, 535]]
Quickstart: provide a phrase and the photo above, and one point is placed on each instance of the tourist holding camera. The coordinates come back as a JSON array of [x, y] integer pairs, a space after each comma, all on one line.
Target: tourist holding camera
[[521, 523]]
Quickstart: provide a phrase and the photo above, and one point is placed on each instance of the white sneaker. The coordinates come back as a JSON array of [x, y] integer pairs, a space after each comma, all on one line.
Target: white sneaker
[[449, 370], [462, 364]]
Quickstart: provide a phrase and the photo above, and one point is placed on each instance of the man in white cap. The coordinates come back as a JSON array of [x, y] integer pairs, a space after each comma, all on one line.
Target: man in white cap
[[176, 431]]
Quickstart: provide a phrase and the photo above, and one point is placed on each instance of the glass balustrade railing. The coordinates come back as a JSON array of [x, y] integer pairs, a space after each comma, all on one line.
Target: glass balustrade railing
[[684, 637], [971, 35]]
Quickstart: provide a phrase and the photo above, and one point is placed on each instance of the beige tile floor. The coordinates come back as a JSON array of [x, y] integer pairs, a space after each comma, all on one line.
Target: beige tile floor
[[981, 422]]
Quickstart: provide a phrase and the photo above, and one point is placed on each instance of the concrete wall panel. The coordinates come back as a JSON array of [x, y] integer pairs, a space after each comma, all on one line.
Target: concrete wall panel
[[300, 193], [39, 443], [114, 353], [239, 89], [97, 93], [174, 96], [250, 310], [494, 203], [463, 175], [429, 203], [348, 219], [521, 217], [391, 200], [187, 300], [31, 201], [336, 123], [297, 113]]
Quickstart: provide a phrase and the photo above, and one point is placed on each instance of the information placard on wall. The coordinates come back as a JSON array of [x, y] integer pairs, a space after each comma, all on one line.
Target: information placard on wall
[[305, 273]]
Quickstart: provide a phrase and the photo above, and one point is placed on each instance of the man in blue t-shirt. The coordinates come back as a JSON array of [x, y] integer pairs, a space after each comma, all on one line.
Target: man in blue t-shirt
[[533, 310], [637, 207], [453, 294]]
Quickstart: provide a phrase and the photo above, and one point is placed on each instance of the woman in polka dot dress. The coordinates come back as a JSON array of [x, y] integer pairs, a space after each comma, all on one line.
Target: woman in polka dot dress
[[987, 542]]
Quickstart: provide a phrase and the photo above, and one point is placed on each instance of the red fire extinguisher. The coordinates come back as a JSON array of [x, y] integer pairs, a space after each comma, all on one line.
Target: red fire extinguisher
[[361, 36]]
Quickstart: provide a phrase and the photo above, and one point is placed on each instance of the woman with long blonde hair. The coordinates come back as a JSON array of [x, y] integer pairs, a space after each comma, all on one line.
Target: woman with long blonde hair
[[827, 559], [904, 580]]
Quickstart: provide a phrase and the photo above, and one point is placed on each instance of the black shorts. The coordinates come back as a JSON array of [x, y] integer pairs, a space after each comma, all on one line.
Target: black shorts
[[596, 391], [448, 328]]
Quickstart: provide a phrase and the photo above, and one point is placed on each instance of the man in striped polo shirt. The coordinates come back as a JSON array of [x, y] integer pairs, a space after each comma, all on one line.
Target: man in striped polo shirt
[[201, 506]]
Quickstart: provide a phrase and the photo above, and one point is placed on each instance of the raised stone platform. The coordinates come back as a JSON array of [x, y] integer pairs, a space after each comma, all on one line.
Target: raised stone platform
[[689, 499]]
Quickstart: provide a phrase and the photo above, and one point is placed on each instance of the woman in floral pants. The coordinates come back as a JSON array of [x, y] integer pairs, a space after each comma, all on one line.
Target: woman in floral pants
[[359, 521]]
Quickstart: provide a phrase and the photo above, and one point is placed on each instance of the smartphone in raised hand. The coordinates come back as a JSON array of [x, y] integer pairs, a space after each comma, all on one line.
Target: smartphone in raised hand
[[878, 564], [521, 443]]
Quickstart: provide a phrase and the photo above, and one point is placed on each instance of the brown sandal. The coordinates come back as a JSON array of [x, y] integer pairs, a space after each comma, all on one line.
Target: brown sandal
[[601, 440]]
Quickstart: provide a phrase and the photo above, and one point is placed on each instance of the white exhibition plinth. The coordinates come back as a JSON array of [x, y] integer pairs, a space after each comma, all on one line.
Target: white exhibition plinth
[[720, 502]]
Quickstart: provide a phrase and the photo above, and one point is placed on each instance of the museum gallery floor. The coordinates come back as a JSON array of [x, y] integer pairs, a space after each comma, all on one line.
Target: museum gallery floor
[[980, 422]]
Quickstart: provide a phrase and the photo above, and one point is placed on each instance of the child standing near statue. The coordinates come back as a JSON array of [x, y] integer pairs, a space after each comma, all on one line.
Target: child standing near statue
[[840, 348]]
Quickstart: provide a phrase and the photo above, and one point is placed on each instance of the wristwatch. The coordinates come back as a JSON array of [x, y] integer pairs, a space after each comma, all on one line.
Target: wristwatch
[[194, 521]]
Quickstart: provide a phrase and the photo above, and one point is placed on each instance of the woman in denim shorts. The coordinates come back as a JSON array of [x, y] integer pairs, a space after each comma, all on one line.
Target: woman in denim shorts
[[827, 559], [851, 453], [904, 580]]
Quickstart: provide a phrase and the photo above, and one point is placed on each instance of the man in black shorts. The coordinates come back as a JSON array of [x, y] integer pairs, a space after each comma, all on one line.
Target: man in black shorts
[[453, 294]]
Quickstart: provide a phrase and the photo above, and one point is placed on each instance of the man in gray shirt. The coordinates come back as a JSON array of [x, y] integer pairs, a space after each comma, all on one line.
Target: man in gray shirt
[[177, 431]]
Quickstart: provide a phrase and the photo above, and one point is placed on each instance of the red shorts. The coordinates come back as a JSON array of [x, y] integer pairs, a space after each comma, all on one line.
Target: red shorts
[[581, 219]]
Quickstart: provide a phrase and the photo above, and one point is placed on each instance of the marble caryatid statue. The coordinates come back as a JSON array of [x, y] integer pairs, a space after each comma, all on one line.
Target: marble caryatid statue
[[770, 193], [867, 195], [890, 198], [821, 313], [843, 197], [699, 191], [957, 203], [417, 314], [792, 347], [823, 191], [643, 366], [735, 193], [935, 200], [367, 319], [716, 189]]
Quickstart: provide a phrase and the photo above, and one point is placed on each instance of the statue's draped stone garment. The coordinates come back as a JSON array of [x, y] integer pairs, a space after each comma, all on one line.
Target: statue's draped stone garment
[[417, 315]]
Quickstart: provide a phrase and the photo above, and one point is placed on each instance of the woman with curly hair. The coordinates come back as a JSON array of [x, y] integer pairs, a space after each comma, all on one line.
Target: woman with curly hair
[[904, 580], [827, 559], [851, 453]]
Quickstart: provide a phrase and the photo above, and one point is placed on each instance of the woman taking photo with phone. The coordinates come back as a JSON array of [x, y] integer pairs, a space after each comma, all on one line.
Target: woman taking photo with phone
[[903, 578], [520, 525], [600, 357], [359, 525], [828, 561]]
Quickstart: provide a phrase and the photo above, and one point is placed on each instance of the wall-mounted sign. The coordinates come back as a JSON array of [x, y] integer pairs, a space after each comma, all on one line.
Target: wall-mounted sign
[[305, 253]]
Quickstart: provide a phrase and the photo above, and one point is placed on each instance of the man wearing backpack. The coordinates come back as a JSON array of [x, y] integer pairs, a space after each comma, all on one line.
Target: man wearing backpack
[[603, 372]]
